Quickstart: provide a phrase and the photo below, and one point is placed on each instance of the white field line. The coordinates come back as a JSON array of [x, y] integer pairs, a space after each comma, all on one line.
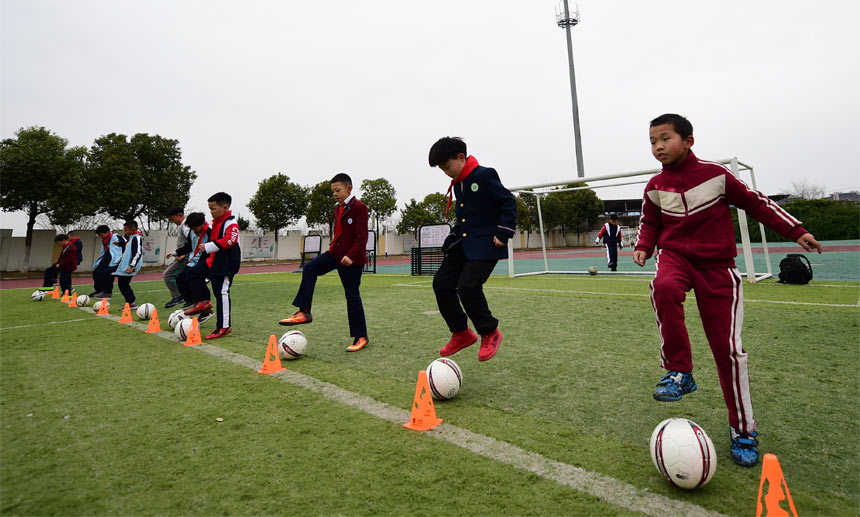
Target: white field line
[[45, 323], [603, 487], [598, 293]]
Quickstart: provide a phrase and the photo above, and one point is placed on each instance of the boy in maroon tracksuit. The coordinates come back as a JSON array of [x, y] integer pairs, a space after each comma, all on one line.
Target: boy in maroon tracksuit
[[686, 216], [66, 263]]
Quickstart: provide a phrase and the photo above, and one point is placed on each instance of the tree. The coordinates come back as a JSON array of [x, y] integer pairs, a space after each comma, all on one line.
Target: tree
[[244, 224], [573, 210], [380, 197], [413, 216], [35, 170], [436, 204], [320, 211], [806, 190], [277, 204], [524, 217], [140, 177]]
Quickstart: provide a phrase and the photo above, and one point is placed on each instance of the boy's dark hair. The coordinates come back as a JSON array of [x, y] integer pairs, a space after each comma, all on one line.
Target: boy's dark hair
[[61, 237], [72, 233], [341, 178], [195, 219], [613, 216], [681, 125], [131, 223], [222, 198], [175, 211], [103, 228], [445, 149]]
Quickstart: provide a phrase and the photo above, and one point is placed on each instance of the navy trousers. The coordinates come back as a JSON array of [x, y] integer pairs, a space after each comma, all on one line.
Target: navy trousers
[[350, 277], [103, 278], [65, 279], [460, 280], [194, 282], [124, 283]]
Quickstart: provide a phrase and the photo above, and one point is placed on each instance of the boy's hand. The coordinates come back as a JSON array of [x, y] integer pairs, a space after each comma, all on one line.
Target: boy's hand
[[497, 242], [808, 242], [168, 255], [346, 261], [639, 257], [129, 269]]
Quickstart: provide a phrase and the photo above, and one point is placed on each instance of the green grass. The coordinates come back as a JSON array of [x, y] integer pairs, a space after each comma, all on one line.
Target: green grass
[[572, 381]]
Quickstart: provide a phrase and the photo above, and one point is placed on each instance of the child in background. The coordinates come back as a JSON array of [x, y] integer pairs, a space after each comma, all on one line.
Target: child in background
[[686, 216], [191, 280], [106, 263], [66, 263], [176, 216], [611, 235], [130, 263]]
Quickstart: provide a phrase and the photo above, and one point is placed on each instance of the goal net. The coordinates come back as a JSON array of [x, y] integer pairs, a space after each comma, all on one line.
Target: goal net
[[539, 191]]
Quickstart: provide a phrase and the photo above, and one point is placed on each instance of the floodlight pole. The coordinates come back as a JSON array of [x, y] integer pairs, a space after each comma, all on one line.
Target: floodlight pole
[[567, 21]]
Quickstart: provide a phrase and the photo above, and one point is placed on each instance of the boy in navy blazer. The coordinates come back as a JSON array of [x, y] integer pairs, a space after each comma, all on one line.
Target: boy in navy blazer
[[348, 255], [486, 219]]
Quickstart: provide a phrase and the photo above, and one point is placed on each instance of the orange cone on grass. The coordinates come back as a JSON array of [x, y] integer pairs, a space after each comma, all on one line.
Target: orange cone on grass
[[126, 314], [55, 295], [194, 338], [271, 366], [72, 298], [154, 325], [65, 298], [103, 308], [777, 490], [423, 411]]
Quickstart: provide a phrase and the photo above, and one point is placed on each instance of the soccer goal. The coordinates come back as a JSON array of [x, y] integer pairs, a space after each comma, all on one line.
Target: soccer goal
[[634, 178]]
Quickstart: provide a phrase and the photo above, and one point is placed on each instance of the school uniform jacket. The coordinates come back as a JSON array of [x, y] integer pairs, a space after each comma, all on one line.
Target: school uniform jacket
[[611, 234], [686, 209], [223, 254], [194, 238], [68, 260], [132, 256], [79, 246], [484, 208], [352, 240], [111, 247]]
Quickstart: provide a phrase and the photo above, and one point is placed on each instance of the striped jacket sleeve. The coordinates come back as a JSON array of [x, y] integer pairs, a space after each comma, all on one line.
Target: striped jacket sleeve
[[762, 208]]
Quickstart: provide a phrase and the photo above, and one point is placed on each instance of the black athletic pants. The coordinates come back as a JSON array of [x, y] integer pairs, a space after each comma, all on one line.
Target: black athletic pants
[[124, 284], [461, 281]]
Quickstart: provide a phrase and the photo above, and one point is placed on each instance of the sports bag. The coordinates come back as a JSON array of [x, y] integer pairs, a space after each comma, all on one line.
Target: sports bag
[[795, 269]]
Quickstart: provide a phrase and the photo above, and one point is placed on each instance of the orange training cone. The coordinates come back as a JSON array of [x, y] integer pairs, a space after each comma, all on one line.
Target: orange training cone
[[423, 411], [194, 337], [72, 298], [271, 366], [65, 298], [56, 294], [126, 314], [777, 489], [154, 325], [103, 308]]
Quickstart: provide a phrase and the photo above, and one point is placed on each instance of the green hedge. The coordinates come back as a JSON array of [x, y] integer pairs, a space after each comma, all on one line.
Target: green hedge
[[825, 219]]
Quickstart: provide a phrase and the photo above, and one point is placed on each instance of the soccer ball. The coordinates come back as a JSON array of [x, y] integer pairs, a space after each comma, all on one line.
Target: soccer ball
[[145, 311], [175, 317], [183, 328], [38, 296], [98, 305], [445, 378], [592, 270], [82, 300], [683, 453], [292, 345]]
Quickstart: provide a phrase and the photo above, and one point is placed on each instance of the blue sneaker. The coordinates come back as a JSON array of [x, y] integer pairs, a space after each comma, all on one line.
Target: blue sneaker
[[744, 448], [675, 385]]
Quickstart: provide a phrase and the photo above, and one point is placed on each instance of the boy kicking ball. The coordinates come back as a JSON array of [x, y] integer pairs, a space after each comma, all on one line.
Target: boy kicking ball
[[486, 219], [686, 215]]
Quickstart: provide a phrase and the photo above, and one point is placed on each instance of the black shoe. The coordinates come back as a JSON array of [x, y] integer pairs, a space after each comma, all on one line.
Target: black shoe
[[204, 317], [132, 306], [187, 304], [93, 294], [174, 302]]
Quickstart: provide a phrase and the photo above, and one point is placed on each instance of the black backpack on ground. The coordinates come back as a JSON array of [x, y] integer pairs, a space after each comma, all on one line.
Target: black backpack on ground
[[793, 269]]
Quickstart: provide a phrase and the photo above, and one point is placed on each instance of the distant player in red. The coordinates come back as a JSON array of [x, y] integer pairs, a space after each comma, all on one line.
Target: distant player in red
[[611, 234], [686, 217]]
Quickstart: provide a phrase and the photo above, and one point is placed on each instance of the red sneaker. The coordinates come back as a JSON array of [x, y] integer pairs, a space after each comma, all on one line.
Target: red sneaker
[[199, 307], [489, 345], [218, 333], [297, 319], [459, 341]]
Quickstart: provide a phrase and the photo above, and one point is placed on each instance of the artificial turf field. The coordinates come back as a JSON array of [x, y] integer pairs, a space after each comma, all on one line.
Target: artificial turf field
[[97, 417]]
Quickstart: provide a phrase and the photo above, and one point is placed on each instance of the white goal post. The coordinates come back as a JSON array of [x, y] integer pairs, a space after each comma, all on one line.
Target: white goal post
[[606, 180]]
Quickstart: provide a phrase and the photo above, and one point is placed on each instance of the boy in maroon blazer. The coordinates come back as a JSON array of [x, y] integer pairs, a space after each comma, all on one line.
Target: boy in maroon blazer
[[346, 254]]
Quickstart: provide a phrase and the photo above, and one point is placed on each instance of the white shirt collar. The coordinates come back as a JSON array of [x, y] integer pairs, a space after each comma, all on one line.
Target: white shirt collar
[[347, 200]]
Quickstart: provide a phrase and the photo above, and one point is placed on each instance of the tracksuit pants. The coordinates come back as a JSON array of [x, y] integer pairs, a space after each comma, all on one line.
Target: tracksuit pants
[[459, 280], [221, 287], [719, 297], [170, 277], [612, 255], [65, 279], [124, 284], [350, 278], [103, 278], [193, 280]]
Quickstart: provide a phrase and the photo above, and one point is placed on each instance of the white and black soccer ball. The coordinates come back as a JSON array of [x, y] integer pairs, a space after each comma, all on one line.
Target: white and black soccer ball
[[82, 300], [592, 270], [183, 328], [292, 345], [144, 312], [98, 305], [175, 317], [445, 378], [38, 296], [683, 453]]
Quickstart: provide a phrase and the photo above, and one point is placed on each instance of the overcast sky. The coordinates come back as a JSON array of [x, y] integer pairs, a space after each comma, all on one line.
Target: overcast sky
[[310, 89]]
